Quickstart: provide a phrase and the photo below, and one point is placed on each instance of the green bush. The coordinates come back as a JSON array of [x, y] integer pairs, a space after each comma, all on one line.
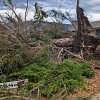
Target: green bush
[[51, 88], [88, 73], [71, 85], [2, 78], [29, 86], [11, 63], [55, 76], [42, 57]]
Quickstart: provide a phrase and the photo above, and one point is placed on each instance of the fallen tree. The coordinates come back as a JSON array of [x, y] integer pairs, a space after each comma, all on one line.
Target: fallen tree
[[83, 43], [63, 42]]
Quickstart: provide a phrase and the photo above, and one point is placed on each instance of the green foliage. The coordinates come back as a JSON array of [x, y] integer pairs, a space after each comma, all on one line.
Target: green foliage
[[42, 56], [2, 78], [46, 38], [15, 57], [22, 63], [10, 1], [53, 87], [55, 76], [88, 73], [71, 85], [10, 63], [29, 86]]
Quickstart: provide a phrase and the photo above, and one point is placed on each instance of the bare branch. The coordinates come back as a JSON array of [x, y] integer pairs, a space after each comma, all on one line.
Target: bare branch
[[63, 16], [6, 24], [26, 12], [11, 7]]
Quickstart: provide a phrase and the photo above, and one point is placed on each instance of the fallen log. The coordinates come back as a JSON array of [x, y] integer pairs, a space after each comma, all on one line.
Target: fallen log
[[63, 42]]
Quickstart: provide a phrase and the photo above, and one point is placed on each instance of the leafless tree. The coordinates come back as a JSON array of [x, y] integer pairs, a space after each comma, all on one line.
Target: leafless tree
[[19, 28]]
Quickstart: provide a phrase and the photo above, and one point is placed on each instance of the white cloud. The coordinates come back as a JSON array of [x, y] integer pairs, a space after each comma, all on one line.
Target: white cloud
[[18, 11], [94, 17], [91, 8], [93, 1]]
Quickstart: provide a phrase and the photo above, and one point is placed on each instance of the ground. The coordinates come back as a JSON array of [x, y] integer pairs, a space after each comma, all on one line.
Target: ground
[[92, 91]]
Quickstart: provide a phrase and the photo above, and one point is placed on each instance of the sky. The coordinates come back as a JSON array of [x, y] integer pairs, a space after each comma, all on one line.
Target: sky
[[91, 8]]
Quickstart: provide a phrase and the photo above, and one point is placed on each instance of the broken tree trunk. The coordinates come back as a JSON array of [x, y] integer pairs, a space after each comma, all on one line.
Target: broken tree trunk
[[83, 28], [83, 24]]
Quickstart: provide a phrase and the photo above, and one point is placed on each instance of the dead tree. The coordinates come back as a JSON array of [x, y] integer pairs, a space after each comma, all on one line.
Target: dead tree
[[83, 24], [83, 28]]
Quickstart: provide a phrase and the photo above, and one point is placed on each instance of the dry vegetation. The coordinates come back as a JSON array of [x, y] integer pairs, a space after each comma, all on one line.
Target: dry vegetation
[[60, 65]]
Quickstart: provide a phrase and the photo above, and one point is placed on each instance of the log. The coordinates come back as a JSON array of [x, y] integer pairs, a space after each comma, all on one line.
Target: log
[[63, 42]]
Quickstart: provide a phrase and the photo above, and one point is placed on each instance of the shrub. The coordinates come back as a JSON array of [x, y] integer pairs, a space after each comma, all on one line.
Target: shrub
[[2, 78], [71, 85], [29, 86], [51, 88], [55, 76], [11, 63], [42, 56], [88, 73]]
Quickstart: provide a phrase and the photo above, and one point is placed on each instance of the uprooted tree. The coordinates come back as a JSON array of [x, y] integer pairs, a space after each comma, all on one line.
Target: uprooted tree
[[83, 45], [83, 40], [83, 22]]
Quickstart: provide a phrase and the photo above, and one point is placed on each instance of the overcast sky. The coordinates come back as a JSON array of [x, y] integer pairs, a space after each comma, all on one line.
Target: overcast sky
[[91, 7]]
